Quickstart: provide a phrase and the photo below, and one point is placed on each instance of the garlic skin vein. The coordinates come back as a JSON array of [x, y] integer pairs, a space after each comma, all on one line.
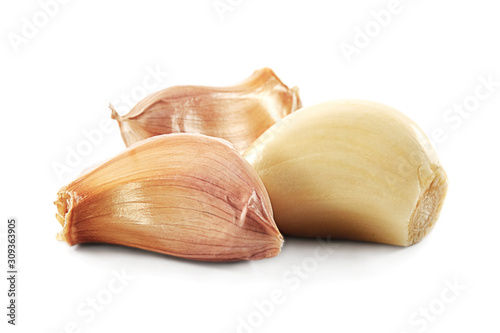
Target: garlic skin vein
[[185, 195], [239, 113], [351, 169]]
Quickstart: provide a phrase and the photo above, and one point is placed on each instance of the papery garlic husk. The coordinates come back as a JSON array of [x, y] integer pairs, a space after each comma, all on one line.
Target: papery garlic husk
[[186, 195], [351, 169], [238, 114]]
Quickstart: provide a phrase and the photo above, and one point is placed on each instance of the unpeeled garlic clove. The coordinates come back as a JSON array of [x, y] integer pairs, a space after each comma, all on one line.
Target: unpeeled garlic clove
[[238, 114], [352, 170], [187, 195]]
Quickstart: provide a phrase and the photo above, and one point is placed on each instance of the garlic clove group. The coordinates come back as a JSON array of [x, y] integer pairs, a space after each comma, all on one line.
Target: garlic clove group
[[185, 195], [238, 114]]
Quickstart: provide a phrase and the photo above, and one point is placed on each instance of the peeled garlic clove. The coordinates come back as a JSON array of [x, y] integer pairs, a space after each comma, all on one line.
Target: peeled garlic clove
[[187, 195], [351, 170], [238, 114]]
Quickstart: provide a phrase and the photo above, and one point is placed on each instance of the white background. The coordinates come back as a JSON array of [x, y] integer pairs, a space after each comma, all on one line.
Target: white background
[[57, 83]]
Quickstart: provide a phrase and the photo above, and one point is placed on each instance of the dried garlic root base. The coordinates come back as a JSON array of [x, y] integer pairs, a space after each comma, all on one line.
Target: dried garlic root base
[[351, 170], [187, 195], [238, 114]]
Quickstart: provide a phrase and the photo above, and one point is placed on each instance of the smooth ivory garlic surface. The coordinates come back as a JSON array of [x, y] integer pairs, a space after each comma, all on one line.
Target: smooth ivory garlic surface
[[351, 169], [238, 114], [187, 195]]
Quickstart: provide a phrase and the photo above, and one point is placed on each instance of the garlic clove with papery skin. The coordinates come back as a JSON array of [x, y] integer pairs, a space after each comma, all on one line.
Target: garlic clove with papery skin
[[186, 195], [239, 113]]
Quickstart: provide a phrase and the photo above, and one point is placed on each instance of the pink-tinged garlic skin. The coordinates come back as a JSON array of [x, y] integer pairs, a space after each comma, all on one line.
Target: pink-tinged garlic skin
[[186, 195], [239, 114]]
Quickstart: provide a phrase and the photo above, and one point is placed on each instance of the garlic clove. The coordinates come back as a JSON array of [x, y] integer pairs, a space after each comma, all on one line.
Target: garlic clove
[[186, 195], [238, 114], [352, 170]]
